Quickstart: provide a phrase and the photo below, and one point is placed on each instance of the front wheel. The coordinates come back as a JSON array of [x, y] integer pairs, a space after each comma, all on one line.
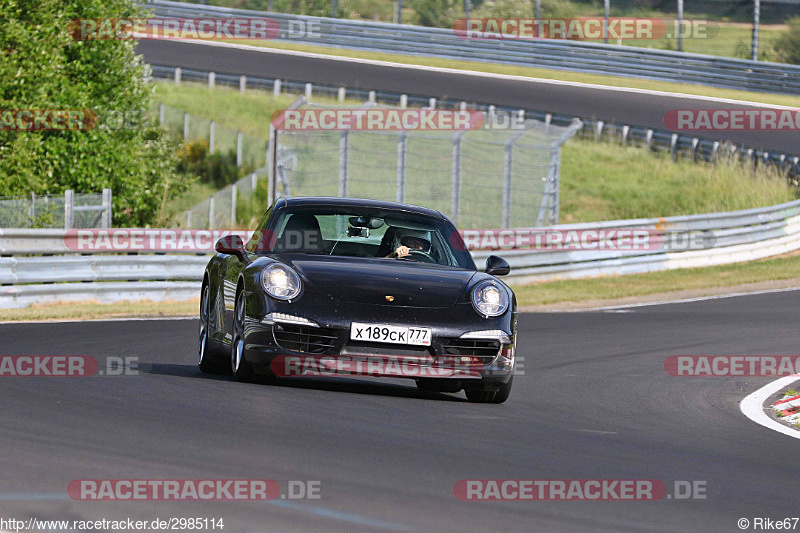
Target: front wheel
[[491, 396], [205, 357], [239, 367]]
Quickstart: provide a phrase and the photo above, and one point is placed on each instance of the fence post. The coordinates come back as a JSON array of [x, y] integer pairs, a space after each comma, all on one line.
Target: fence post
[[455, 191], [234, 194], [253, 181], [69, 202], [242, 84], [178, 75], [162, 112], [210, 213], [105, 220], [211, 131], [272, 178], [508, 162], [344, 149], [185, 126], [33, 208], [212, 80], [341, 94], [189, 218], [401, 166], [239, 148], [276, 89]]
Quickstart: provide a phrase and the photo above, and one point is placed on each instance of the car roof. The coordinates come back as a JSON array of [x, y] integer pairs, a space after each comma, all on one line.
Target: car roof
[[358, 202]]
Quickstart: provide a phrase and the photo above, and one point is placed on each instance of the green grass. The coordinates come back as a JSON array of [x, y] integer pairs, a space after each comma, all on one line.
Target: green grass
[[600, 181], [94, 310], [606, 288]]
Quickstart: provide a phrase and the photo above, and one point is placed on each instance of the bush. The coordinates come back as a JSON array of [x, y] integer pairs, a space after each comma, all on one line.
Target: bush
[[523, 8], [44, 67], [787, 46], [217, 169]]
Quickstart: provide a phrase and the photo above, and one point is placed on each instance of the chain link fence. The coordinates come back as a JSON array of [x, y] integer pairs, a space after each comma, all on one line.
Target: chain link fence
[[498, 176], [68, 211]]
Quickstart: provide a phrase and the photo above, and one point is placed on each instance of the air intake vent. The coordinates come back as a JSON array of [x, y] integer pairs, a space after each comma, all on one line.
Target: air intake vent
[[305, 339]]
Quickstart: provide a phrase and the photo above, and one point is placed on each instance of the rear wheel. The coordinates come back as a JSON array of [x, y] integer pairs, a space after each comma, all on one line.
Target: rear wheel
[[239, 367], [205, 357]]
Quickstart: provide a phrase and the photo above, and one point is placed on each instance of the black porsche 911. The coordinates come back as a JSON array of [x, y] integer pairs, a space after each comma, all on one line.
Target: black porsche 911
[[340, 286]]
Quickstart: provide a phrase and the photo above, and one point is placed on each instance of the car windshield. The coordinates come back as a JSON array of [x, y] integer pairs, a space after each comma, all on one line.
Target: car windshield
[[368, 233]]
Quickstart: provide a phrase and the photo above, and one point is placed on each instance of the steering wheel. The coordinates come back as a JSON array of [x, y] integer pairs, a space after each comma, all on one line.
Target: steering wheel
[[416, 255]]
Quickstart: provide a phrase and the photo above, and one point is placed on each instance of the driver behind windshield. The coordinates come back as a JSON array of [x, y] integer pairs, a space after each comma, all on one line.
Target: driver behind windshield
[[408, 240]]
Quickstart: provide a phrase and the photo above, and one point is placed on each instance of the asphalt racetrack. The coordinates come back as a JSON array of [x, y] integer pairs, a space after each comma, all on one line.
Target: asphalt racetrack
[[611, 105], [594, 403]]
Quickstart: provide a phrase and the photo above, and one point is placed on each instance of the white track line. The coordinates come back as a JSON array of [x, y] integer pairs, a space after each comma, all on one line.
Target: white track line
[[753, 406], [686, 300], [444, 70]]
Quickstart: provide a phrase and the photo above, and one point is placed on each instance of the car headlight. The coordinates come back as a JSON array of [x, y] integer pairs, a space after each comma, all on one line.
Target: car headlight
[[489, 299], [280, 281]]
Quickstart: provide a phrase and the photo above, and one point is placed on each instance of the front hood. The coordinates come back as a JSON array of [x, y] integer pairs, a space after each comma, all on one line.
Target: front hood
[[370, 281]]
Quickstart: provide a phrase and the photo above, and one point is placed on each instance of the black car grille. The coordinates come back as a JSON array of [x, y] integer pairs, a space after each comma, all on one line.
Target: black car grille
[[485, 350], [305, 339]]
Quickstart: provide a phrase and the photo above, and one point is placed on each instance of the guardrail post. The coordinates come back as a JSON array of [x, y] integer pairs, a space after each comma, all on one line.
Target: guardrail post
[[401, 167], [695, 142], [492, 115], [625, 131], [242, 84], [462, 106], [178, 75], [432, 103], [649, 138], [234, 195], [548, 118], [162, 112], [239, 149], [276, 89], [371, 97], [403, 101], [714, 150], [212, 80], [341, 95], [455, 191], [185, 126], [105, 219], [309, 88], [599, 131], [344, 149], [211, 137], [69, 203], [673, 147]]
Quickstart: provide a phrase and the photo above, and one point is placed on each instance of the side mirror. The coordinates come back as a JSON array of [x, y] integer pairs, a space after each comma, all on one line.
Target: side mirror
[[497, 266], [232, 245]]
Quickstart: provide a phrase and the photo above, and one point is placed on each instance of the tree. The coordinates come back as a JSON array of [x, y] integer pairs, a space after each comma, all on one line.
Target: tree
[[787, 46], [43, 67]]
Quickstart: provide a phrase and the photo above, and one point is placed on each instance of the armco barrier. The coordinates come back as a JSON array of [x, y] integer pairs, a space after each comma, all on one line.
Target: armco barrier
[[70, 275], [662, 65]]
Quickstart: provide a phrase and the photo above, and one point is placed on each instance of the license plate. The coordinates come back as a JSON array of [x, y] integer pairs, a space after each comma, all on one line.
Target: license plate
[[390, 334]]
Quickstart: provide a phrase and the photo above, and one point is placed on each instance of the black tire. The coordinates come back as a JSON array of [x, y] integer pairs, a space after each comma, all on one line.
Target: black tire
[[490, 396], [504, 392], [438, 385], [206, 359], [240, 369]]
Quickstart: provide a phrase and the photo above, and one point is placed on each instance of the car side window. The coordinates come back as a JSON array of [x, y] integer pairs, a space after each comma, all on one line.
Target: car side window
[[253, 243]]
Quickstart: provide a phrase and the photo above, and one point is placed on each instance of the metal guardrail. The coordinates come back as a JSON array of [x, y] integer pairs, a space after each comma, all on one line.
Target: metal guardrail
[[661, 65], [724, 238], [697, 148]]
